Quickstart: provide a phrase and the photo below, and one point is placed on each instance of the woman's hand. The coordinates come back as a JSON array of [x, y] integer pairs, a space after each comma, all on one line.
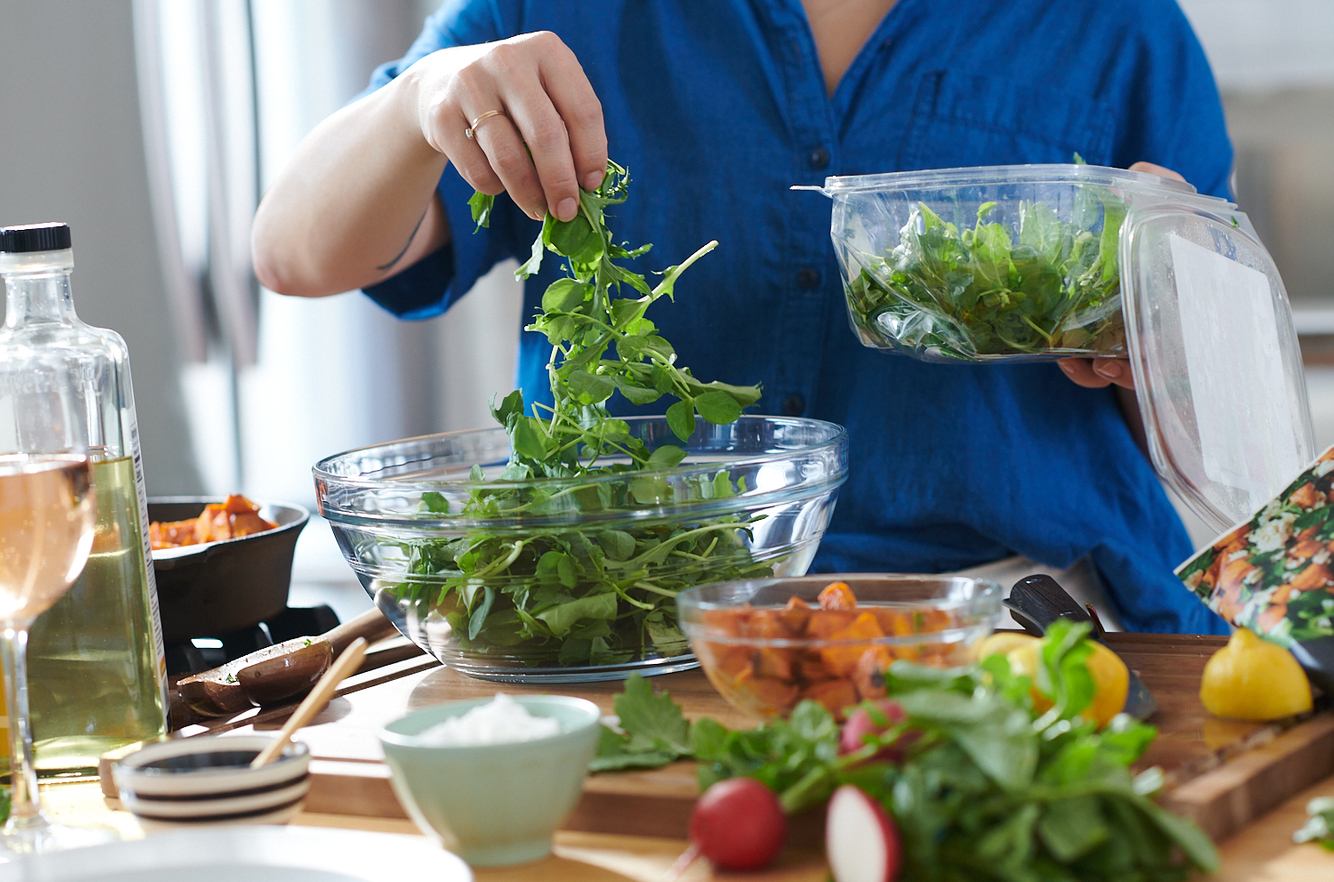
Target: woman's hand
[[546, 141], [1095, 373], [357, 202]]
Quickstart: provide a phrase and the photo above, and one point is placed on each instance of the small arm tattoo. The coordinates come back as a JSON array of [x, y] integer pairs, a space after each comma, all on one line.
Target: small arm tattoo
[[406, 245]]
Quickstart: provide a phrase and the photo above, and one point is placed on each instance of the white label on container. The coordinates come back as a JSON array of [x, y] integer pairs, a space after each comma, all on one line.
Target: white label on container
[[1235, 362]]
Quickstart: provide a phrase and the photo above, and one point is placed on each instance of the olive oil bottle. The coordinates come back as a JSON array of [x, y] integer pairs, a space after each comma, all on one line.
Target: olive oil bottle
[[96, 668]]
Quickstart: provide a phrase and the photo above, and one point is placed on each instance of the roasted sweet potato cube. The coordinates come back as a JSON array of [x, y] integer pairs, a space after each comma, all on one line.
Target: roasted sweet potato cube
[[795, 616], [775, 663], [248, 522], [842, 660], [763, 694], [767, 624], [823, 623], [236, 504], [869, 675], [893, 621], [835, 695], [837, 595], [213, 525], [729, 622], [727, 660], [810, 668], [171, 534], [929, 621]]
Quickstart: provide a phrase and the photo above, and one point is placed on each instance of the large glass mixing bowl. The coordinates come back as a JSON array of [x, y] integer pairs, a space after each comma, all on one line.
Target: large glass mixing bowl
[[575, 579]]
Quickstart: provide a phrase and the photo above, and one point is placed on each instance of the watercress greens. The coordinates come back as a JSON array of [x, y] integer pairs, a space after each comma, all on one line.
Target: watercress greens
[[975, 292], [601, 592]]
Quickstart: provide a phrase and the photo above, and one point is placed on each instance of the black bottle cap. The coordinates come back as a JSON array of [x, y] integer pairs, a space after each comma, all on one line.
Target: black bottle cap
[[34, 237]]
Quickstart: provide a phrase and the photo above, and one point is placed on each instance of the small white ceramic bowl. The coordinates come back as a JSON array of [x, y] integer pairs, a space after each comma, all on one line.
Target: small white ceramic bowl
[[209, 779]]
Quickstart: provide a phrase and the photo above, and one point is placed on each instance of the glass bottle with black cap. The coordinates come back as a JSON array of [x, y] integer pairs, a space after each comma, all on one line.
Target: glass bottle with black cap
[[96, 674]]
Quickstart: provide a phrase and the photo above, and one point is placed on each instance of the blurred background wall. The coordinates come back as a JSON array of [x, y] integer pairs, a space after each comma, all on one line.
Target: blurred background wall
[[151, 126], [103, 123]]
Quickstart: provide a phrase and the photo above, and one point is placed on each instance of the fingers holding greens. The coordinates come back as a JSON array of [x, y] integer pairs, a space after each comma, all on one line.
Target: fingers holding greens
[[548, 135]]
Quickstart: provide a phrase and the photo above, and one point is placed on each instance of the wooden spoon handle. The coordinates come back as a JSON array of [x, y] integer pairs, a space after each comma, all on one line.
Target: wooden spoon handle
[[314, 702], [371, 624]]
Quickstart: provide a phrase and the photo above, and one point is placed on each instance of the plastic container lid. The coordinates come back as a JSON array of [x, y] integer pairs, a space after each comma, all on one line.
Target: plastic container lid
[[1215, 357], [1062, 173]]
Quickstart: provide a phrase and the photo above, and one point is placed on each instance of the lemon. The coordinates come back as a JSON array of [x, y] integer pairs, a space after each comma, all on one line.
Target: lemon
[[1253, 679], [1001, 643], [1111, 679]]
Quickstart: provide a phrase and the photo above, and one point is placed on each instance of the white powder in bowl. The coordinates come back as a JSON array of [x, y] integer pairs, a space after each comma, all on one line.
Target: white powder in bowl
[[500, 721]]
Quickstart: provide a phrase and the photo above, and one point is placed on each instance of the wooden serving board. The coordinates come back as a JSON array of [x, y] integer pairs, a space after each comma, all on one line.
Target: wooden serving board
[[1221, 773]]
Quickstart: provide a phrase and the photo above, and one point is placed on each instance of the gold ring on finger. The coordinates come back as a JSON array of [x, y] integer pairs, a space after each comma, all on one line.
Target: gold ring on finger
[[471, 131]]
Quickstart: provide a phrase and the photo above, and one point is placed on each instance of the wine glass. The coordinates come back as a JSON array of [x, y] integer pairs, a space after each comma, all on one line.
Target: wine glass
[[47, 519]]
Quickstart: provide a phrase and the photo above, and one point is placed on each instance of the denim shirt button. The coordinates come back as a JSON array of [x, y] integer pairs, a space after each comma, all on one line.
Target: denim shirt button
[[793, 405], [808, 279], [819, 158]]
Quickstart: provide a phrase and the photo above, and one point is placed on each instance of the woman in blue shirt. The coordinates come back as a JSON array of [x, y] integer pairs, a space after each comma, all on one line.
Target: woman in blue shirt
[[717, 109]]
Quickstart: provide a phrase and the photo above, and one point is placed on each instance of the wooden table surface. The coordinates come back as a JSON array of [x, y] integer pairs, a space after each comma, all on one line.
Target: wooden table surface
[[1192, 745], [1261, 852]]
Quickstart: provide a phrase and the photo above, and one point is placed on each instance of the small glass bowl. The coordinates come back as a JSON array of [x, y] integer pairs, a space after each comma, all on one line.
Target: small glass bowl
[[766, 645], [589, 592]]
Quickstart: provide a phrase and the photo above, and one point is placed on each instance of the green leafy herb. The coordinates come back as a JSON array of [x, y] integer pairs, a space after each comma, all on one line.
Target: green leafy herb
[[975, 292], [1319, 827], [988, 789], [588, 595], [652, 730]]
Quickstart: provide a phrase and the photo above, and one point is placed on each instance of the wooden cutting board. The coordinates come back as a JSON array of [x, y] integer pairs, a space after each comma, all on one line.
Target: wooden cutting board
[[1222, 774]]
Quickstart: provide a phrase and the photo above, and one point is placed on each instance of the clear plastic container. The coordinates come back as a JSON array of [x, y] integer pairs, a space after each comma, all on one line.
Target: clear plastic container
[[575, 579], [1002, 263], [96, 667], [1037, 262], [1215, 357]]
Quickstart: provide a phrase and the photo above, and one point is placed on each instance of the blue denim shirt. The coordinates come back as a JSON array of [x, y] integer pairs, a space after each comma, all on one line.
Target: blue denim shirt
[[718, 108]]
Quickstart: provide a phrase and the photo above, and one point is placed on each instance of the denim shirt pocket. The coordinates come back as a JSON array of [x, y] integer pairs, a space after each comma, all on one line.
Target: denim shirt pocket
[[962, 119]]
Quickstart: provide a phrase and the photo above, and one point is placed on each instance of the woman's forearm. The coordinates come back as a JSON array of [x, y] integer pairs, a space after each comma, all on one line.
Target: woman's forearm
[[355, 204]]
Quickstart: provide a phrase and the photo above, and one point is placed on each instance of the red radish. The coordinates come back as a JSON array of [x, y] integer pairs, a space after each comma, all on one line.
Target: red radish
[[861, 840], [861, 724], [738, 824]]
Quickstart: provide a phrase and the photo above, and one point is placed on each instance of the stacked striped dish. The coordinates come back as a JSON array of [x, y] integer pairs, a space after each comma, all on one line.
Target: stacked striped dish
[[209, 779]]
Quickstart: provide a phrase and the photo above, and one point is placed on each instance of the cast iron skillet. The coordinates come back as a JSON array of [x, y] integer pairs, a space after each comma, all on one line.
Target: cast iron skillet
[[211, 589]]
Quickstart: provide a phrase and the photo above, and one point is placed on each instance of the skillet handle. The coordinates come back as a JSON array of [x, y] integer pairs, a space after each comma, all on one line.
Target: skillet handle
[[1038, 600]]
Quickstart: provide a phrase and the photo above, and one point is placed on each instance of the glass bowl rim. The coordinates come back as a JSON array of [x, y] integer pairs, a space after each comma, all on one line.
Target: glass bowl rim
[[831, 445], [837, 436], [982, 606]]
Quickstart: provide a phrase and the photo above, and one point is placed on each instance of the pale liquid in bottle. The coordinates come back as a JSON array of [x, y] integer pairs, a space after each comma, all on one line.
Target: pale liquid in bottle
[[92, 662]]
